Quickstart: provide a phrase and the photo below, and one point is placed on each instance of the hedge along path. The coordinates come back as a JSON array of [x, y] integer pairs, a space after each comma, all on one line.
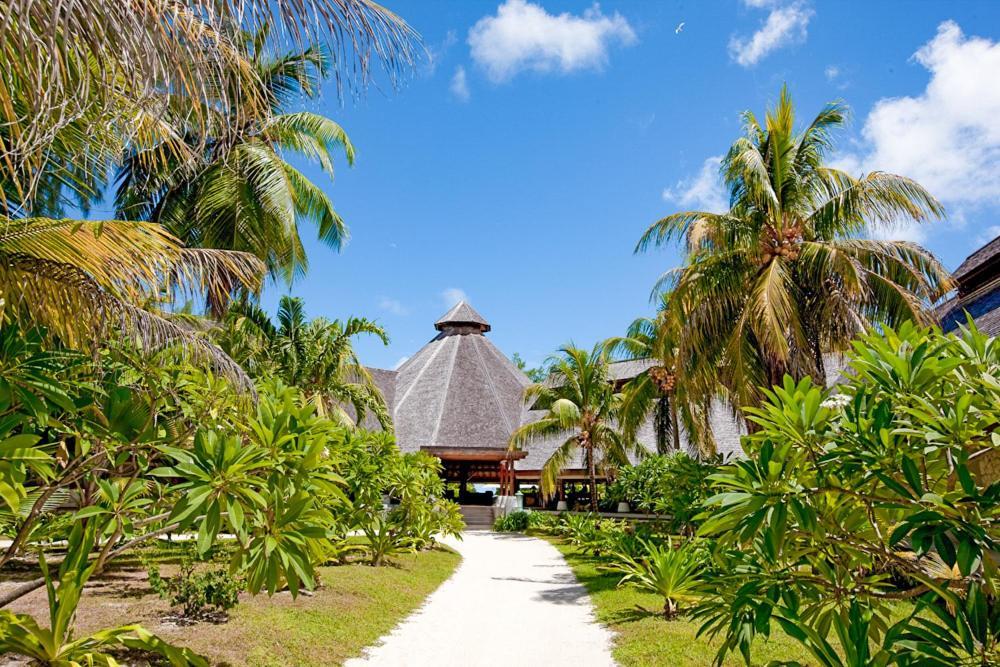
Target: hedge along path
[[512, 600]]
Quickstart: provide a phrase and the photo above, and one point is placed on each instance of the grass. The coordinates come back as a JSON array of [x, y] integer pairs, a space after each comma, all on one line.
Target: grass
[[644, 639], [355, 605]]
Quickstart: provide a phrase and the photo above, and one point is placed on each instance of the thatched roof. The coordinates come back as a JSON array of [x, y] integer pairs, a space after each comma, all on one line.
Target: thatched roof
[[459, 390], [977, 260], [978, 293], [459, 393], [462, 315]]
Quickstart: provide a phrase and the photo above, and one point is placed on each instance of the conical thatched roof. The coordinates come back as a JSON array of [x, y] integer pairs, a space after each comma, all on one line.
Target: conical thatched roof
[[462, 315], [459, 390]]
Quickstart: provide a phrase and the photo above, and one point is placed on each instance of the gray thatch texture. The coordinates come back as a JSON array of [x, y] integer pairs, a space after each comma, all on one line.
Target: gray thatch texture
[[977, 259], [459, 390], [462, 314]]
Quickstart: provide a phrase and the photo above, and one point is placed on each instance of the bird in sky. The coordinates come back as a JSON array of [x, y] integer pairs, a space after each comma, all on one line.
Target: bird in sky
[[679, 28]]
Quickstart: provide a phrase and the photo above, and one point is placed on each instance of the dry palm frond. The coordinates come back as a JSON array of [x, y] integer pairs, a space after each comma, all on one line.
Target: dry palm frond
[[83, 280], [85, 66]]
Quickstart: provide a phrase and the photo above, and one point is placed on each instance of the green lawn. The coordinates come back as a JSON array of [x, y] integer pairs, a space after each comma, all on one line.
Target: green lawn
[[644, 639], [355, 605]]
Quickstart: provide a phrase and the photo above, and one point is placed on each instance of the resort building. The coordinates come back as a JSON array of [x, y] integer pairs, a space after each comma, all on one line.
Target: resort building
[[460, 398], [978, 291]]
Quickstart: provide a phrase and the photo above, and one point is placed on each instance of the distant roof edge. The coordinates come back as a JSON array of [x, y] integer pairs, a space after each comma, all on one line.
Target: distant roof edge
[[462, 314], [978, 258]]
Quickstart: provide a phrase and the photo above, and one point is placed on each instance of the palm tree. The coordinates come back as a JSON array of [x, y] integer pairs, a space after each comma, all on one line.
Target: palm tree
[[315, 355], [675, 399], [785, 274], [581, 407], [88, 280], [75, 77], [243, 194]]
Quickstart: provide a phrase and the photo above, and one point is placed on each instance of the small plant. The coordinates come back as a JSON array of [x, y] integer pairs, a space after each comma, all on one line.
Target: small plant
[[515, 522], [197, 591], [21, 634], [666, 571]]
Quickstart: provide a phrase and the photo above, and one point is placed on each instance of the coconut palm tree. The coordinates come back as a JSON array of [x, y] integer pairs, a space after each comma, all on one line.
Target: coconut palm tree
[[93, 74], [581, 408], [786, 274], [675, 399], [88, 280], [315, 355], [243, 194]]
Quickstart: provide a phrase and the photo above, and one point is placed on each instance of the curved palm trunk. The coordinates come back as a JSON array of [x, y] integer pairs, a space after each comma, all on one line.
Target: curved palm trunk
[[592, 473], [674, 422]]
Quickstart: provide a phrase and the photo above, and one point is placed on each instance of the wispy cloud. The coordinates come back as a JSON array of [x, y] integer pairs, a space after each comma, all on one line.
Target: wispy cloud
[[460, 85], [453, 295], [701, 192], [393, 306], [947, 138], [835, 75], [524, 36], [437, 52], [784, 25]]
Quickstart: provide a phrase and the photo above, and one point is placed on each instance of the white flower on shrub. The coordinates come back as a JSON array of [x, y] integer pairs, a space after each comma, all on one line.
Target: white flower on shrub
[[836, 401]]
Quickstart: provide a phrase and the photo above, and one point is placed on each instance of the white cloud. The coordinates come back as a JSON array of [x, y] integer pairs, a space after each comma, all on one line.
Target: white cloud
[[459, 85], [831, 72], [947, 138], [393, 306], [436, 52], [453, 295], [523, 36], [783, 26], [702, 192], [402, 360]]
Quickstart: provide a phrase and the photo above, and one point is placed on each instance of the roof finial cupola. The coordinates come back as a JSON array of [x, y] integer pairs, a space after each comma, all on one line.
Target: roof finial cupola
[[462, 319]]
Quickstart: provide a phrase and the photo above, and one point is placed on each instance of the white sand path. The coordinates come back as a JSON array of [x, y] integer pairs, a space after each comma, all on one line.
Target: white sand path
[[513, 600]]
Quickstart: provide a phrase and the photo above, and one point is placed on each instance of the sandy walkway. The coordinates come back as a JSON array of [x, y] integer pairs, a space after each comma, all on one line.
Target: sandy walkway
[[512, 601]]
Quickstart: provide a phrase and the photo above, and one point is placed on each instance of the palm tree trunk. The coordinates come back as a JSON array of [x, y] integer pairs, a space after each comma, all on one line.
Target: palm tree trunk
[[592, 472], [661, 424], [674, 421]]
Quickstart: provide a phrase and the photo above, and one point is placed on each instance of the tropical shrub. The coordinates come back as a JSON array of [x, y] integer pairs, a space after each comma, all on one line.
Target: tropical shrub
[[674, 485], [847, 504], [673, 573], [375, 474], [195, 591], [21, 634], [514, 522]]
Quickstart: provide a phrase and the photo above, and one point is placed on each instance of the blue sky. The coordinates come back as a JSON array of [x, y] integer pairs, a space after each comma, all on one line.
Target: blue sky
[[525, 156]]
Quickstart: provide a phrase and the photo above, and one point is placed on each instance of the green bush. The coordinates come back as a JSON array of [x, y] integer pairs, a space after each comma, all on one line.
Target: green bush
[[675, 485], [196, 591], [849, 502], [515, 522], [673, 573]]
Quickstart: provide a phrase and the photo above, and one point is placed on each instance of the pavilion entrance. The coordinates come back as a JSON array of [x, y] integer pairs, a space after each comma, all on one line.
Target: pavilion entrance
[[462, 468]]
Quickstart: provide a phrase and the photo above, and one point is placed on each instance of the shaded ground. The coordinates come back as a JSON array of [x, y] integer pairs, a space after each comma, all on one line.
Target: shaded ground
[[356, 605], [512, 601]]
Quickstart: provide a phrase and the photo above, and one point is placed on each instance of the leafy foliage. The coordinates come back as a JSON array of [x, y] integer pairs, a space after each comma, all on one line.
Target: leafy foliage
[[675, 485], [848, 505], [21, 634], [197, 590], [671, 572], [513, 522], [581, 407], [315, 355], [785, 274]]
